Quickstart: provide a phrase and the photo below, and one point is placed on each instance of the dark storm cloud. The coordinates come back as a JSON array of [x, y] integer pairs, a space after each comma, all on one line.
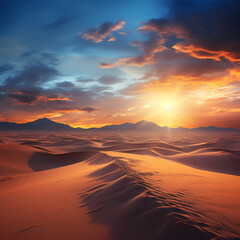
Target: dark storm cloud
[[23, 97], [210, 25], [21, 94], [171, 63]]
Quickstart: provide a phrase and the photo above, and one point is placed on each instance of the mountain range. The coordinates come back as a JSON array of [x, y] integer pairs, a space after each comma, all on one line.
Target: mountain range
[[45, 124]]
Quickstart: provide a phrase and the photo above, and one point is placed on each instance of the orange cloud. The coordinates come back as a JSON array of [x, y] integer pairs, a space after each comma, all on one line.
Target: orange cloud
[[122, 33], [98, 34], [112, 39], [164, 30], [47, 99], [138, 61], [201, 53]]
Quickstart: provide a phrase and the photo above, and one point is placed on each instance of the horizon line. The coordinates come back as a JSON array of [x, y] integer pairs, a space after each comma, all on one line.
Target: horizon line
[[121, 124]]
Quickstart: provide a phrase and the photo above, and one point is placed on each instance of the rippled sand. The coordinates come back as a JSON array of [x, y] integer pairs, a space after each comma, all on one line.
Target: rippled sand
[[119, 186]]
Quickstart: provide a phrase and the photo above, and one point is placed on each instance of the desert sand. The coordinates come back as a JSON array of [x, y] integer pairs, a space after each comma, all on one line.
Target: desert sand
[[119, 186]]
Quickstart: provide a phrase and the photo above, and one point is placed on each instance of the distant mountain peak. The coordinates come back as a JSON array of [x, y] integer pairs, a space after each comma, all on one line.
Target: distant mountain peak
[[147, 125], [43, 120], [143, 122]]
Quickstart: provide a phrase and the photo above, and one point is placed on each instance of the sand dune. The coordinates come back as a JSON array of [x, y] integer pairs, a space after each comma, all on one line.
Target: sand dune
[[119, 187], [165, 151], [112, 143], [228, 143], [125, 146], [142, 151], [224, 142], [42, 161], [217, 161], [126, 203], [14, 159], [46, 205]]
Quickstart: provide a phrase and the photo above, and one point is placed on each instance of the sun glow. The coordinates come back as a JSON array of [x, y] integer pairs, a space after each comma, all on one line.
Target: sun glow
[[167, 107]]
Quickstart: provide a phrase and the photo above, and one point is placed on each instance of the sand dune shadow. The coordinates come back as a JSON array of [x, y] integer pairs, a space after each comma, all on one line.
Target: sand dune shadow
[[41, 161], [125, 203]]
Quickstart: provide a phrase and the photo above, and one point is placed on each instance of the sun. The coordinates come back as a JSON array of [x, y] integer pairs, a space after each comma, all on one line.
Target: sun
[[167, 107]]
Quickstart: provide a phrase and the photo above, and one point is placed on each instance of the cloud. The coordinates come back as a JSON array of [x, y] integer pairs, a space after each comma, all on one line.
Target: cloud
[[122, 33], [207, 30], [44, 57], [98, 34], [139, 61], [88, 109], [28, 54], [5, 68], [49, 58], [32, 75], [202, 30], [23, 97], [84, 80], [25, 85], [27, 91], [106, 65], [149, 48], [112, 39], [65, 84], [109, 80], [171, 64], [53, 101], [84, 109]]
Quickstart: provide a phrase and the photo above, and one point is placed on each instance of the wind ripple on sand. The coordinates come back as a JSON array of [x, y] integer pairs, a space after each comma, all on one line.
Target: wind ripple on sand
[[135, 210]]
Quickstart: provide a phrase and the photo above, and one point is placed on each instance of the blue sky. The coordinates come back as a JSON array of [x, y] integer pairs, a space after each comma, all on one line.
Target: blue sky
[[30, 28], [52, 26]]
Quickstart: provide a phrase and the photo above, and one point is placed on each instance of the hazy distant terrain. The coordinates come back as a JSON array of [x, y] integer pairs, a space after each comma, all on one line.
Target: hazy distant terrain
[[45, 124]]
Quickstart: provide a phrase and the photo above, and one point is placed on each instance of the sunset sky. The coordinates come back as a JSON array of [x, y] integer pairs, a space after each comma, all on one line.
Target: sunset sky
[[92, 63]]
